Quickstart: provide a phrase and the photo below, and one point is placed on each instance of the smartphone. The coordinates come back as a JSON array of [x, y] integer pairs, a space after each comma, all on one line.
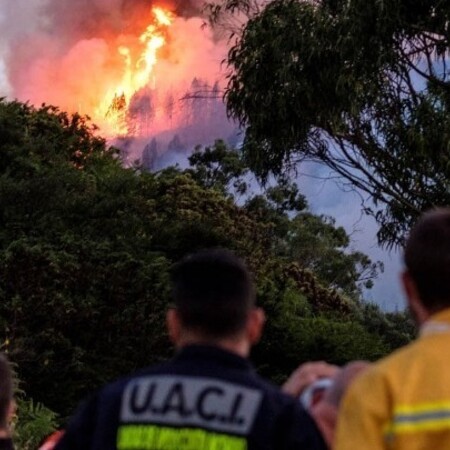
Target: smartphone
[[314, 392]]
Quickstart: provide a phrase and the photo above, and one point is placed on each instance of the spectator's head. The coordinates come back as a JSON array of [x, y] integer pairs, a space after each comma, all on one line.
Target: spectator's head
[[6, 392], [214, 299], [427, 259]]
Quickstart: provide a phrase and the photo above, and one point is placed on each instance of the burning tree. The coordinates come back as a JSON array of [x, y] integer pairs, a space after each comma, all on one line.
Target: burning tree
[[140, 113], [131, 111]]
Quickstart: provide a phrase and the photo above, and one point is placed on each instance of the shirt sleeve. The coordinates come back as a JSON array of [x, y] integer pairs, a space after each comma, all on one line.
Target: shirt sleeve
[[299, 431], [364, 414], [80, 431]]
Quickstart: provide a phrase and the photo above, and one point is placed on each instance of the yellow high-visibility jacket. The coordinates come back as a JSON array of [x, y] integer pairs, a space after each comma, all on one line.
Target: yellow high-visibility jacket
[[403, 401]]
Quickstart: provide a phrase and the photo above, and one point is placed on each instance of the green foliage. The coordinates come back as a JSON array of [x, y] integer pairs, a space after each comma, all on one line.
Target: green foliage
[[320, 246], [297, 235], [355, 84], [219, 168], [86, 247], [79, 280], [396, 329], [307, 322], [34, 422]]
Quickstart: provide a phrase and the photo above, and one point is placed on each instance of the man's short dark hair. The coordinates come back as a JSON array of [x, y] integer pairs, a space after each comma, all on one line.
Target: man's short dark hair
[[427, 258], [6, 390], [213, 293]]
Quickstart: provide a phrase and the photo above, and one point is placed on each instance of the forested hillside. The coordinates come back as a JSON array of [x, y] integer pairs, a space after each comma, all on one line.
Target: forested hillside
[[86, 246]]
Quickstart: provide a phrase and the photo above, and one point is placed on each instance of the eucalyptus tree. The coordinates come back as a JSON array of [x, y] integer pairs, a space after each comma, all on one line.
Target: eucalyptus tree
[[361, 85]]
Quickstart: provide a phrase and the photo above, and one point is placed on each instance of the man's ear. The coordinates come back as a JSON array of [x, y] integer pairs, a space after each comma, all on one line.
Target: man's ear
[[415, 305], [173, 324], [255, 325]]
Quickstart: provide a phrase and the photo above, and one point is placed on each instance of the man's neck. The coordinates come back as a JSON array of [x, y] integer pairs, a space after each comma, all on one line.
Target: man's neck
[[238, 346]]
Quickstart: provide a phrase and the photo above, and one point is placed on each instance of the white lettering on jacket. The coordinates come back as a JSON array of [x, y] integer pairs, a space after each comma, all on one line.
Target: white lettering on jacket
[[181, 400]]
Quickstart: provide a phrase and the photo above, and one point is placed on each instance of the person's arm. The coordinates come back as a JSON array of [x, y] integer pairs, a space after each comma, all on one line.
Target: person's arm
[[79, 433], [325, 411], [364, 414], [296, 430]]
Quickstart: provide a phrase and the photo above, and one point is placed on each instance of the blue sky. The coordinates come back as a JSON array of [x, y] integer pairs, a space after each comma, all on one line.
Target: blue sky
[[327, 196]]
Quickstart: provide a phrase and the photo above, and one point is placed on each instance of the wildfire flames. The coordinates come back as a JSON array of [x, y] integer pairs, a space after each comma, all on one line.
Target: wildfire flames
[[137, 73], [145, 71]]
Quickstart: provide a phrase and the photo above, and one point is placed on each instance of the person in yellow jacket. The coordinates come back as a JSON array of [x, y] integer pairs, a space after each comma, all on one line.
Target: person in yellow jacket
[[403, 401]]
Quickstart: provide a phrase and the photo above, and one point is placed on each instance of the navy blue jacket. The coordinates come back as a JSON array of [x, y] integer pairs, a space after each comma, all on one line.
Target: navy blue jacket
[[204, 398], [6, 444]]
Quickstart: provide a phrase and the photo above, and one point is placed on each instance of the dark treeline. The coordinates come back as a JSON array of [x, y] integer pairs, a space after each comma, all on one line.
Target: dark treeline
[[86, 246]]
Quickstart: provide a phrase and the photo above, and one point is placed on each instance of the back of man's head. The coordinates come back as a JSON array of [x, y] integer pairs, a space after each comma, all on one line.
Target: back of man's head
[[427, 258], [6, 390], [213, 293]]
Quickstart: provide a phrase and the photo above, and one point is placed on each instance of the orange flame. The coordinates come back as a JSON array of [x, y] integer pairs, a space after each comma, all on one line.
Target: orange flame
[[163, 17], [137, 74]]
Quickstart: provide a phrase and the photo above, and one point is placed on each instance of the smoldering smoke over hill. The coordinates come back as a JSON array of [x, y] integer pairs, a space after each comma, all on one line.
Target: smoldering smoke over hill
[[84, 18]]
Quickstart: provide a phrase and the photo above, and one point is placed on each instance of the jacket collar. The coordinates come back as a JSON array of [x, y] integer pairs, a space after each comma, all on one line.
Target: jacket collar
[[438, 323], [210, 353]]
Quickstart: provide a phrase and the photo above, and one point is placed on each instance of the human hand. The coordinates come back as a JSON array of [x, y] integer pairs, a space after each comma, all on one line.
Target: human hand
[[307, 374]]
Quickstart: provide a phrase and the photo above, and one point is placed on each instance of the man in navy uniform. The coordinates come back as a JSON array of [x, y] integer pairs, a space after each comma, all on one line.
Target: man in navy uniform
[[208, 397]]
